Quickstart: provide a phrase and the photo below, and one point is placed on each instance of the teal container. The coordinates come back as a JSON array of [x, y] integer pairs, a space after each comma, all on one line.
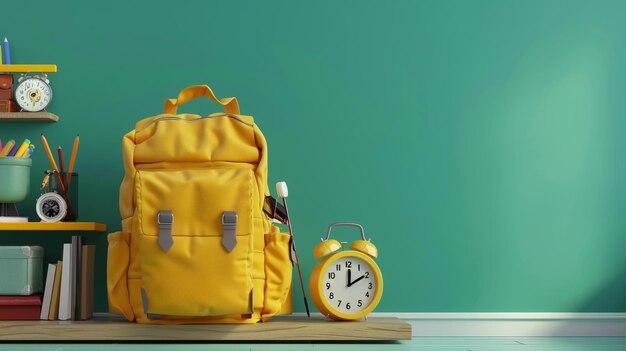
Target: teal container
[[15, 179], [21, 270]]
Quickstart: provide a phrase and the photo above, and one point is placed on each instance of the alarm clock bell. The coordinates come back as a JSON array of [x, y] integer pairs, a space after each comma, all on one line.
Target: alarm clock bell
[[328, 246]]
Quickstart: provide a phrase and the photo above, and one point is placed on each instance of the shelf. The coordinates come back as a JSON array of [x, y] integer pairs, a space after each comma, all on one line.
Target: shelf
[[57, 226], [16, 68], [28, 117], [281, 328]]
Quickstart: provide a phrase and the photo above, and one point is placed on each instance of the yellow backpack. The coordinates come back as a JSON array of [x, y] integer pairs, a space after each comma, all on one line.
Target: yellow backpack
[[195, 245]]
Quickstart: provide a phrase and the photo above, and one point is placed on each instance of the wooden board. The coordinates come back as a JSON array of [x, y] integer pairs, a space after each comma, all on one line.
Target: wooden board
[[58, 226], [28, 117], [19, 68], [277, 329]]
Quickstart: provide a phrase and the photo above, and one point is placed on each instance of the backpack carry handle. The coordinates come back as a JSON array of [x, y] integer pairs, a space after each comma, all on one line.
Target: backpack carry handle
[[195, 91]]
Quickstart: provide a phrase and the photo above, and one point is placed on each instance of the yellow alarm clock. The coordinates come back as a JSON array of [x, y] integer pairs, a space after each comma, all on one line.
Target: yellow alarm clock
[[346, 284]]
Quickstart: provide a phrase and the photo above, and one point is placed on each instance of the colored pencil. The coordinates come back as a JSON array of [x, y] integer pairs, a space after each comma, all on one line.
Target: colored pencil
[[44, 141], [5, 52], [29, 152], [68, 178], [61, 160], [7, 148], [13, 150], [22, 149]]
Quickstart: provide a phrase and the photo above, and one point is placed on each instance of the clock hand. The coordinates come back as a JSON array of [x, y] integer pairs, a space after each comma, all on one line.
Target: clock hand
[[349, 277], [354, 282]]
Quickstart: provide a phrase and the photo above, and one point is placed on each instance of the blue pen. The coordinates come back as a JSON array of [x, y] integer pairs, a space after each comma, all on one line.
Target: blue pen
[[6, 56]]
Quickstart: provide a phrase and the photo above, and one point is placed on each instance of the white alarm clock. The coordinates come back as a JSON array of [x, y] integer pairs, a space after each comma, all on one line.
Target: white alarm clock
[[51, 207], [33, 93]]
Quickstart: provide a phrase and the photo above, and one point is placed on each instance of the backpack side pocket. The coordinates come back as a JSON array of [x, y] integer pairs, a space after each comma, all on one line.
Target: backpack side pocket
[[118, 257], [278, 270]]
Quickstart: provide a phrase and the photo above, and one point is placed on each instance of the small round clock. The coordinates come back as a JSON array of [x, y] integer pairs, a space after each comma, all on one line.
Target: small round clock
[[346, 284], [51, 207], [33, 93]]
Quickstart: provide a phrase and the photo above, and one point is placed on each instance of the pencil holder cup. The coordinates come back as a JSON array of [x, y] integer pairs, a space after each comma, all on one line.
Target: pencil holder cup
[[14, 179], [70, 195]]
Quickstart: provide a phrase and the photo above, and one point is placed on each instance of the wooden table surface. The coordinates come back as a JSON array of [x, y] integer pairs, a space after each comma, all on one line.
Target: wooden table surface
[[277, 329]]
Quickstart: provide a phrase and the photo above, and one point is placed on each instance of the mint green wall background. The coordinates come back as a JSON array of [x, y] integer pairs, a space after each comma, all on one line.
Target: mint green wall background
[[481, 144]]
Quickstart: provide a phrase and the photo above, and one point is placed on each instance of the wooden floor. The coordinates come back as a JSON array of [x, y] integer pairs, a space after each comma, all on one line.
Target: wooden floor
[[283, 328], [421, 343]]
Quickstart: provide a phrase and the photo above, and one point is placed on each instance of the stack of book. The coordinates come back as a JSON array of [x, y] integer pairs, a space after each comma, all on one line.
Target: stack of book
[[20, 282], [68, 290], [7, 104], [17, 307]]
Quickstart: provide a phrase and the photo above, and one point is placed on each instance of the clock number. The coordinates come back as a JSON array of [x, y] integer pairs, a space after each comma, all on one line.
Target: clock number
[[358, 267], [367, 294], [369, 287], [348, 306], [359, 304], [367, 275], [339, 304], [327, 286], [338, 267], [331, 275], [348, 264], [331, 296]]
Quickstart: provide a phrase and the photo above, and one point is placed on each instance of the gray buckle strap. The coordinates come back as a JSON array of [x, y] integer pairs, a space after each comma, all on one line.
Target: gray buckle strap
[[165, 219], [229, 221], [144, 300]]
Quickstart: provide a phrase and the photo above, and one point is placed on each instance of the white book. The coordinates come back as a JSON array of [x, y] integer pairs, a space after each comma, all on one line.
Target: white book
[[65, 298], [47, 294], [7, 219]]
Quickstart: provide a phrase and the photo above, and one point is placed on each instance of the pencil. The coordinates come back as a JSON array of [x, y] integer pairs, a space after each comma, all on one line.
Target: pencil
[[6, 56], [7, 148], [51, 159], [68, 178], [61, 160]]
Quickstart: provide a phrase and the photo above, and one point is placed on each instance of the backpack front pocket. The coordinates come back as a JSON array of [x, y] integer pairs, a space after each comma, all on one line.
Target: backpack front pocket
[[118, 256], [200, 273], [278, 269]]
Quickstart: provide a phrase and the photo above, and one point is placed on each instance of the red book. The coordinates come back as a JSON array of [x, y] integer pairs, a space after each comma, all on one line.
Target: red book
[[20, 307]]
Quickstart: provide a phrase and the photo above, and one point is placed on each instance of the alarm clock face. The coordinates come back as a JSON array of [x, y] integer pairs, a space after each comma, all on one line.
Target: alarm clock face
[[33, 94], [350, 285], [51, 207]]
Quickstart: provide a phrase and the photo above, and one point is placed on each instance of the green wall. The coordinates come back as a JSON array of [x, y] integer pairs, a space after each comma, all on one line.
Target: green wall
[[480, 143]]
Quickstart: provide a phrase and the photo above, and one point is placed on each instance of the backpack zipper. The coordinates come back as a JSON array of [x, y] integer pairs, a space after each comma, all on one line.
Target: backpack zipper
[[172, 118], [194, 165]]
